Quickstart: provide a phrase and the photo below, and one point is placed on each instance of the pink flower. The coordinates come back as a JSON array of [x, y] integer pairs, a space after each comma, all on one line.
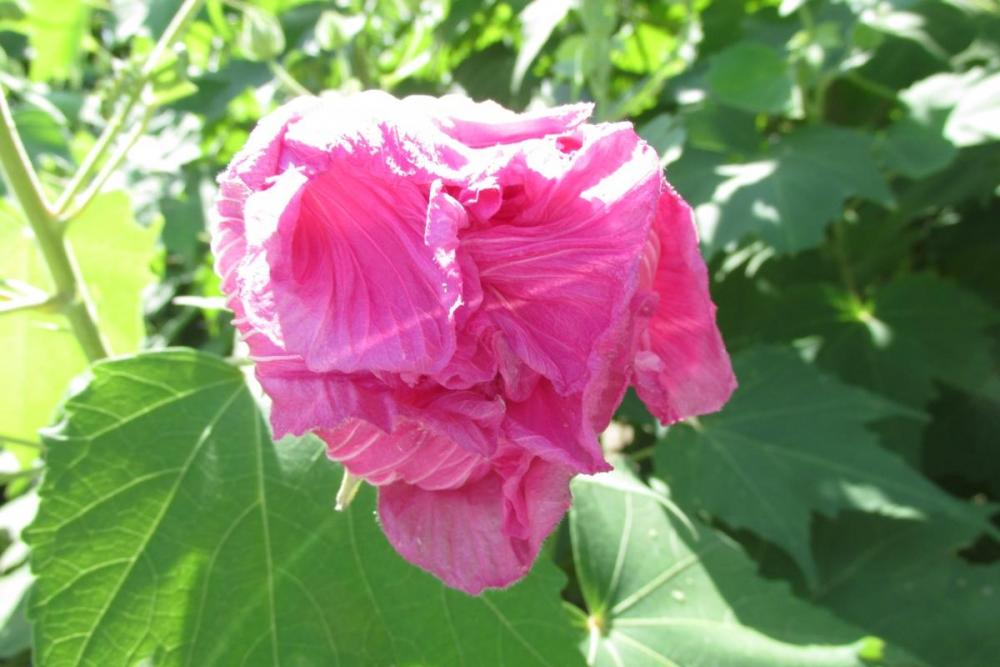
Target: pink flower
[[455, 298]]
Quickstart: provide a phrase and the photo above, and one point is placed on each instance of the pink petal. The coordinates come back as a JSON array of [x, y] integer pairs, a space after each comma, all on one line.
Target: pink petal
[[562, 253], [410, 454], [554, 427], [682, 368], [365, 278], [377, 130], [303, 401], [486, 533], [479, 124], [249, 171]]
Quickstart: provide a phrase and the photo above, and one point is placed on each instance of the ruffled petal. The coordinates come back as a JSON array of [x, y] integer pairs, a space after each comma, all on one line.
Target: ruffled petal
[[554, 427], [378, 131], [362, 278], [562, 253], [485, 534], [682, 368], [411, 454], [303, 401], [480, 124], [249, 172]]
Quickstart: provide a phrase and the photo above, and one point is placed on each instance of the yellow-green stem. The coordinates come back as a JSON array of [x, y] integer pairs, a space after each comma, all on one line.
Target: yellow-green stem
[[27, 191], [185, 14]]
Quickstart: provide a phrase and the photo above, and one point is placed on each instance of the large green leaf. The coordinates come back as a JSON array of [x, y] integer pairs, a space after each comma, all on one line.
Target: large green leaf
[[903, 580], [791, 442], [911, 333], [752, 77], [41, 355], [661, 592], [785, 197], [171, 527]]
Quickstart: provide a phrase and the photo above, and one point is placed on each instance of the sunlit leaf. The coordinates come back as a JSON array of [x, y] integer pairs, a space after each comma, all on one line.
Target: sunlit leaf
[[790, 443], [662, 592], [752, 77], [200, 542], [786, 196], [56, 29], [42, 356]]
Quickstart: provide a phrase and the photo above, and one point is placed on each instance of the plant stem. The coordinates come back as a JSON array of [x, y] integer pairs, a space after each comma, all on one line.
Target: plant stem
[[92, 161], [14, 440], [287, 80], [109, 168], [23, 184], [840, 255], [33, 303]]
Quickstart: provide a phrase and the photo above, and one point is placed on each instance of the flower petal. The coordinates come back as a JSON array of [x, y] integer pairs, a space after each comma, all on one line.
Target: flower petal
[[481, 124], [562, 253], [303, 401], [365, 277], [554, 427], [249, 172], [486, 533], [410, 454], [682, 368]]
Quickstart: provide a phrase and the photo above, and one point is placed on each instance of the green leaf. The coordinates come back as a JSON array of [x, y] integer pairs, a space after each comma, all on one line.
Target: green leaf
[[42, 356], [666, 134], [791, 442], [15, 630], [903, 580], [641, 46], [171, 526], [42, 132], [56, 30], [966, 107], [912, 332], [115, 256], [785, 197], [976, 117], [916, 150], [538, 19], [661, 592], [752, 77], [962, 441]]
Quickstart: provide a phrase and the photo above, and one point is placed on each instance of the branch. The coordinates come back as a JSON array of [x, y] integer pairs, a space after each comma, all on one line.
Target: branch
[[22, 182], [95, 157]]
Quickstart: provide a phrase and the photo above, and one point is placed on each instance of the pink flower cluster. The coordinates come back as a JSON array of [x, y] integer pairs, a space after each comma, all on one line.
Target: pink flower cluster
[[455, 297]]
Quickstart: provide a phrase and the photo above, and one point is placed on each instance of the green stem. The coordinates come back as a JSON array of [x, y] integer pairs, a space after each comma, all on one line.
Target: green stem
[[22, 182], [29, 473], [641, 454], [287, 80], [872, 87], [841, 257], [28, 303], [23, 442], [109, 168], [92, 161]]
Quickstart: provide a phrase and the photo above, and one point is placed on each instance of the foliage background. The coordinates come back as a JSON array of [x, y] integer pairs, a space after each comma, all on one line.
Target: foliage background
[[842, 158]]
